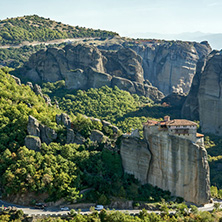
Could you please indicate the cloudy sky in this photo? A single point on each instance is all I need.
(127, 17)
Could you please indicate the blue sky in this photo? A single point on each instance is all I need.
(125, 16)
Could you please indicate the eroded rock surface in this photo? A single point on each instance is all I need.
(135, 157)
(210, 96)
(204, 101)
(170, 66)
(36, 129)
(84, 67)
(169, 162)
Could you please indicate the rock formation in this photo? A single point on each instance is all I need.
(210, 95)
(170, 66)
(84, 67)
(36, 129)
(33, 142)
(169, 162)
(204, 101)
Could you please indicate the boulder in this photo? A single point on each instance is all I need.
(33, 142)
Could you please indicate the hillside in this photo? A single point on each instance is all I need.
(60, 170)
(31, 28)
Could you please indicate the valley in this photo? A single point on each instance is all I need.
(85, 117)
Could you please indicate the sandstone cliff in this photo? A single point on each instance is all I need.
(170, 66)
(210, 96)
(168, 162)
(204, 102)
(85, 66)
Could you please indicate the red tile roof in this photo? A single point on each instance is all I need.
(199, 135)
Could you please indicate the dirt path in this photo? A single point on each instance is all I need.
(56, 41)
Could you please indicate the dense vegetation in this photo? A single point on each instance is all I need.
(117, 106)
(213, 145)
(16, 57)
(60, 170)
(34, 28)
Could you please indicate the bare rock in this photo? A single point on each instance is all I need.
(30, 85)
(153, 93)
(70, 136)
(135, 157)
(170, 66)
(210, 96)
(17, 80)
(123, 84)
(33, 126)
(63, 119)
(97, 79)
(33, 142)
(47, 134)
(169, 162)
(97, 135)
(37, 89)
(75, 79)
(79, 139)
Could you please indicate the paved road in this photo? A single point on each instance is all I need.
(57, 211)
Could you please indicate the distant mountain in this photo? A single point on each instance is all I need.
(34, 28)
(214, 39)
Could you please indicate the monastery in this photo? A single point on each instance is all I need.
(178, 127)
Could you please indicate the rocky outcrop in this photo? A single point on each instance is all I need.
(210, 95)
(36, 129)
(135, 157)
(33, 142)
(169, 162)
(97, 135)
(17, 80)
(170, 66)
(74, 137)
(84, 67)
(204, 101)
(190, 109)
(63, 119)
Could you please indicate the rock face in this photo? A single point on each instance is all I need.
(168, 162)
(33, 142)
(135, 157)
(204, 101)
(170, 66)
(97, 135)
(36, 129)
(210, 96)
(190, 109)
(84, 67)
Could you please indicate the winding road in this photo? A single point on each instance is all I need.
(56, 41)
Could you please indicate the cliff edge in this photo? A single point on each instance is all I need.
(169, 161)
